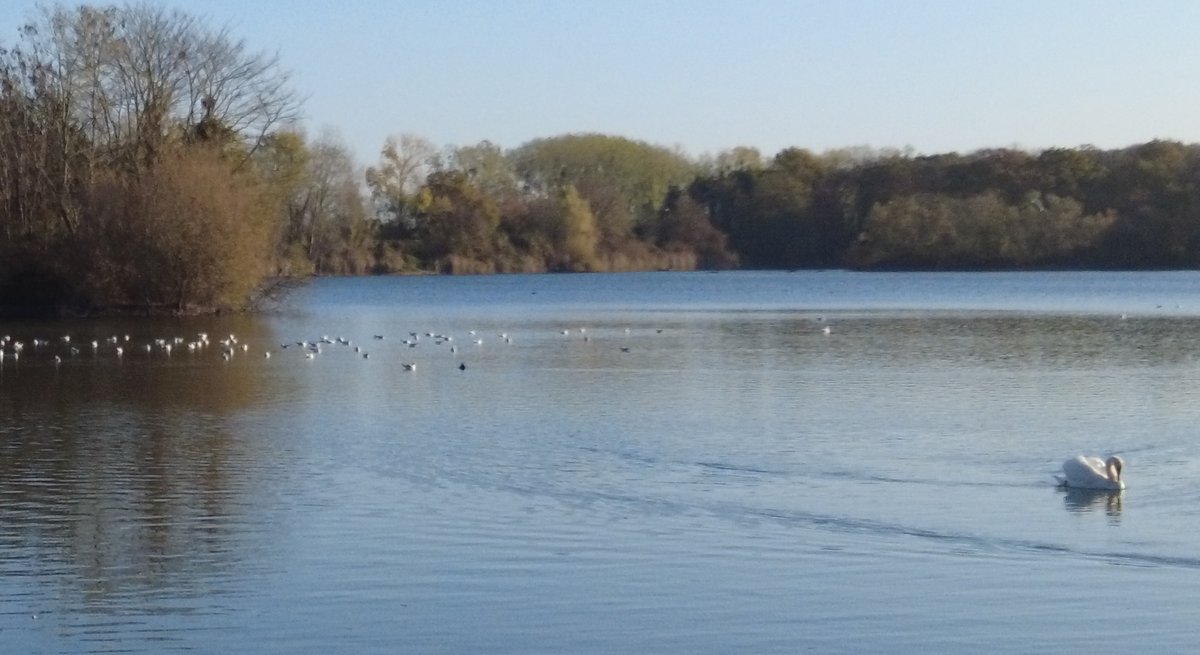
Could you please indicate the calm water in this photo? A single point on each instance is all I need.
(694, 467)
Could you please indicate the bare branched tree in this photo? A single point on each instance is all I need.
(135, 77)
(404, 162)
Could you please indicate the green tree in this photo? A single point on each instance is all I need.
(785, 215)
(740, 158)
(487, 167)
(1073, 173)
(1154, 188)
(456, 223)
(328, 228)
(683, 226)
(624, 181)
(579, 234)
(283, 162)
(983, 231)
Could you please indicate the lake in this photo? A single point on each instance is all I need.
(743, 462)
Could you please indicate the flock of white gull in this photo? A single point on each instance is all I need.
(229, 347)
(64, 348)
(120, 346)
(1079, 472)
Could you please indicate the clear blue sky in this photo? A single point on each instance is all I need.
(708, 75)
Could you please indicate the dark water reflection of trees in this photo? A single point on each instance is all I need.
(130, 472)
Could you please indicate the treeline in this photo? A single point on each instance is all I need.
(590, 202)
(148, 160)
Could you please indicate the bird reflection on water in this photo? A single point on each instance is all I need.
(1081, 501)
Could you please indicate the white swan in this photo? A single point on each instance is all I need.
(1082, 472)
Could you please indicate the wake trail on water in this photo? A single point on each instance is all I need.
(975, 544)
(624, 506)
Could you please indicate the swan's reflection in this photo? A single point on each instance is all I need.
(1088, 500)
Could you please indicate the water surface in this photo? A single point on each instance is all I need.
(623, 463)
